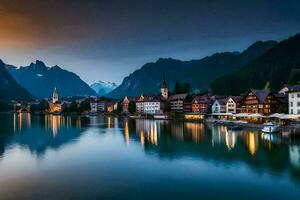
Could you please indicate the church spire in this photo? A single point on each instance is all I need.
(55, 96)
(164, 88)
(164, 82)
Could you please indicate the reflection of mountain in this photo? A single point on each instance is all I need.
(38, 133)
(217, 143)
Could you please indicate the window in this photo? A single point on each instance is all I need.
(292, 111)
(291, 104)
(298, 95)
(298, 103)
(298, 111)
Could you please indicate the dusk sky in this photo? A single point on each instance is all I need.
(107, 40)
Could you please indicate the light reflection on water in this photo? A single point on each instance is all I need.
(113, 157)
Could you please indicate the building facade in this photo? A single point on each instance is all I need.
(201, 104)
(219, 106)
(294, 100)
(140, 105)
(233, 104)
(259, 101)
(177, 102)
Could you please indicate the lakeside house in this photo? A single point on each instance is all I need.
(140, 105)
(259, 101)
(294, 99)
(201, 103)
(233, 104)
(219, 106)
(177, 102)
(154, 104)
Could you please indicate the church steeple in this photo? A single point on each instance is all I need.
(55, 96)
(164, 88)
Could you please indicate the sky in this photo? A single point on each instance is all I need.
(109, 39)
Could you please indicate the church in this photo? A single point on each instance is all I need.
(55, 105)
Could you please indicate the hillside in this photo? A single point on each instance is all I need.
(279, 65)
(40, 80)
(198, 73)
(9, 88)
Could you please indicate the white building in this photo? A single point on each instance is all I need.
(97, 106)
(153, 105)
(219, 106)
(232, 104)
(294, 99)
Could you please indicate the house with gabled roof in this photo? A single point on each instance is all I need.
(177, 102)
(259, 101)
(201, 103)
(219, 106)
(233, 104)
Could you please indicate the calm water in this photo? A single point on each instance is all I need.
(57, 157)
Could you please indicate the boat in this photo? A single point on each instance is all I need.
(270, 128)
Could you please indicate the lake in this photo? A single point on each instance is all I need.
(64, 157)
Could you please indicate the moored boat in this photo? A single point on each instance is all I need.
(270, 128)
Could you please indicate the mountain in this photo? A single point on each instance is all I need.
(9, 88)
(40, 80)
(198, 73)
(103, 88)
(277, 66)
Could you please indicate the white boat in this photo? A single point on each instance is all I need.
(270, 128)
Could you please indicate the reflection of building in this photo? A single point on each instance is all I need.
(21, 120)
(230, 139)
(55, 105)
(294, 152)
(252, 142)
(148, 130)
(197, 131)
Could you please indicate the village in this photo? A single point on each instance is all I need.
(255, 106)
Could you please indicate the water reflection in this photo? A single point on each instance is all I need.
(37, 133)
(77, 152)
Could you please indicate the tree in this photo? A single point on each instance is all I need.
(186, 87)
(132, 107)
(73, 107)
(177, 88)
(119, 108)
(43, 105)
(84, 106)
(182, 87)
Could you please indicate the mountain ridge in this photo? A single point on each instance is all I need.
(9, 88)
(278, 66)
(195, 72)
(40, 80)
